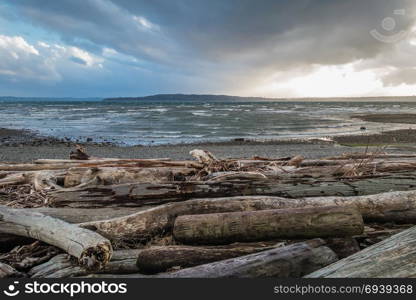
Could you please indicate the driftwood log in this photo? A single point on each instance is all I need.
(92, 250)
(160, 259)
(7, 271)
(147, 193)
(295, 260)
(224, 228)
(116, 175)
(394, 257)
(386, 207)
(62, 266)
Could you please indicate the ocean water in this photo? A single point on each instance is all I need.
(145, 122)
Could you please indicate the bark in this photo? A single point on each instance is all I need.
(148, 193)
(160, 259)
(91, 249)
(295, 260)
(265, 225)
(392, 258)
(397, 207)
(62, 266)
(7, 271)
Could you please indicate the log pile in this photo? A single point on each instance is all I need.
(208, 217)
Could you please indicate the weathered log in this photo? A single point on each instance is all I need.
(387, 207)
(264, 225)
(392, 258)
(295, 260)
(147, 193)
(142, 163)
(160, 259)
(370, 155)
(98, 160)
(70, 215)
(160, 219)
(115, 175)
(7, 271)
(91, 249)
(62, 266)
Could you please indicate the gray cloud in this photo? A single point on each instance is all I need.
(228, 43)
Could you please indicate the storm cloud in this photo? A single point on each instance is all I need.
(239, 47)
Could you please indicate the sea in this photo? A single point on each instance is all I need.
(174, 122)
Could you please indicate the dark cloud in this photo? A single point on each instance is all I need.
(227, 42)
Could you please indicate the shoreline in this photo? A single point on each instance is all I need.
(26, 146)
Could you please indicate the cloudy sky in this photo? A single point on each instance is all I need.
(275, 48)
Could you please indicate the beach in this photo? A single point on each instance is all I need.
(24, 146)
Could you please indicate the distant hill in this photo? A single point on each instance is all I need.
(212, 98)
(189, 97)
(19, 99)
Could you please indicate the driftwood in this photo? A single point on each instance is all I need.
(136, 163)
(160, 259)
(392, 258)
(265, 225)
(295, 260)
(147, 193)
(79, 153)
(203, 156)
(70, 215)
(115, 175)
(386, 207)
(343, 247)
(91, 249)
(62, 266)
(7, 271)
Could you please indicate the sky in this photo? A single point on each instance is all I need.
(268, 48)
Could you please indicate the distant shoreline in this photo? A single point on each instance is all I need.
(215, 97)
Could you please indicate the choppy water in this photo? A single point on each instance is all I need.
(147, 122)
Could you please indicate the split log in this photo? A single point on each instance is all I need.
(392, 258)
(114, 175)
(7, 271)
(160, 259)
(397, 207)
(92, 250)
(147, 193)
(265, 225)
(63, 266)
(295, 260)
